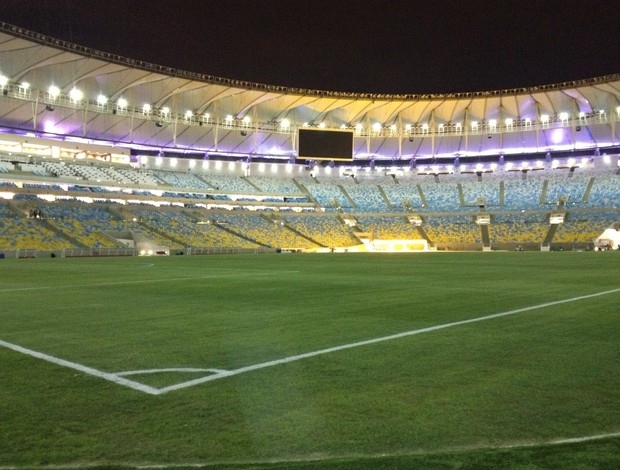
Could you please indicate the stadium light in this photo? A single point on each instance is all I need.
(544, 118)
(146, 108)
(285, 124)
(121, 103)
(54, 91)
(76, 95)
(322, 125)
(102, 100)
(4, 81)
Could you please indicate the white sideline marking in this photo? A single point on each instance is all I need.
(307, 355)
(138, 281)
(219, 373)
(314, 460)
(81, 368)
(576, 440)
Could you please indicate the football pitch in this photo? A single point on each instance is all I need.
(430, 360)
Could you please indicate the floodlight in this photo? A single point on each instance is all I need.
(376, 127)
(24, 85)
(189, 114)
(146, 108)
(121, 103)
(4, 81)
(102, 100)
(165, 110)
(246, 120)
(285, 124)
(54, 91)
(544, 118)
(322, 125)
(75, 94)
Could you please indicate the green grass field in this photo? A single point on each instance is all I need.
(298, 361)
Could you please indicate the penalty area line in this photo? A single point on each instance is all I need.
(298, 357)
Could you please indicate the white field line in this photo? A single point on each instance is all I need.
(169, 369)
(118, 379)
(314, 460)
(81, 368)
(139, 281)
(263, 365)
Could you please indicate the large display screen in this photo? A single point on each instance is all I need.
(321, 144)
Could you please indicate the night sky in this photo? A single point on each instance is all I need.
(375, 46)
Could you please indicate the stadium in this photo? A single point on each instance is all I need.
(386, 299)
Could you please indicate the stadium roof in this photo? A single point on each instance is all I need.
(54, 87)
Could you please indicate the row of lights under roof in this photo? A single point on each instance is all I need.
(474, 125)
(76, 95)
(428, 169)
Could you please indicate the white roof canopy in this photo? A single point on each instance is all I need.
(104, 97)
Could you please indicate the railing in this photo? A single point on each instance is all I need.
(428, 129)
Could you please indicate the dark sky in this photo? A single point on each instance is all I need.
(429, 46)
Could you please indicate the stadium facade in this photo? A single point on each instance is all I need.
(82, 120)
